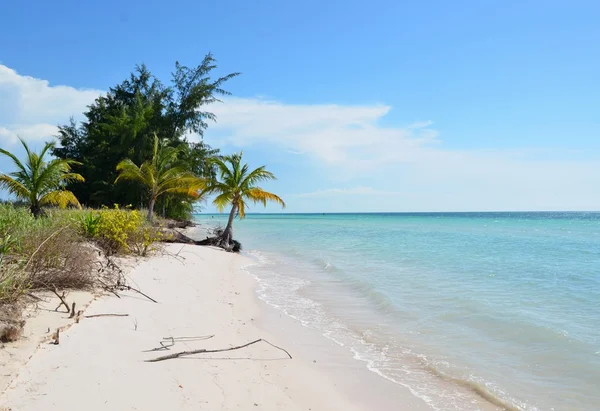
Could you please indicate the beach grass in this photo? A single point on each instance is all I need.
(60, 251)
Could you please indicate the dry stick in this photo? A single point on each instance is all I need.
(106, 315)
(109, 288)
(127, 287)
(163, 346)
(172, 340)
(35, 297)
(72, 310)
(62, 300)
(183, 353)
(202, 337)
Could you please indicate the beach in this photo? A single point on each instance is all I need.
(205, 300)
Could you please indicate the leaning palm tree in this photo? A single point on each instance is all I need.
(234, 186)
(161, 175)
(40, 182)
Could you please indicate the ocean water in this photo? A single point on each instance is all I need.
(502, 306)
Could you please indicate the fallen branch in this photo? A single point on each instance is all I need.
(172, 340)
(62, 300)
(109, 288)
(184, 353)
(106, 315)
(129, 288)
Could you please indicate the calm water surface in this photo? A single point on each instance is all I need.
(505, 304)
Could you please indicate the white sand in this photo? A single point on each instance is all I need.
(99, 364)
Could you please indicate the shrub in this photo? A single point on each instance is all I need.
(13, 283)
(124, 231)
(57, 258)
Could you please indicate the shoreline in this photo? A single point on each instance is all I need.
(99, 363)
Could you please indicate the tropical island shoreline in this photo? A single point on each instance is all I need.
(205, 300)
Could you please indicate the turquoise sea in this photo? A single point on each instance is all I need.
(505, 304)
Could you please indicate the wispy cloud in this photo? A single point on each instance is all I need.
(352, 191)
(350, 144)
(420, 124)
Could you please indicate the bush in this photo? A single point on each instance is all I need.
(123, 231)
(54, 257)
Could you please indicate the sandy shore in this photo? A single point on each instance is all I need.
(99, 364)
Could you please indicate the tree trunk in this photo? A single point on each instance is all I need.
(151, 208)
(35, 209)
(228, 232)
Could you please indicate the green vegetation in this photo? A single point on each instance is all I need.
(123, 124)
(235, 186)
(40, 182)
(131, 153)
(162, 174)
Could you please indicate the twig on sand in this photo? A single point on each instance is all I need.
(184, 353)
(62, 300)
(163, 345)
(129, 288)
(106, 315)
(172, 340)
(109, 288)
(35, 297)
(72, 310)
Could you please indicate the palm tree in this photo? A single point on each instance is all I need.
(40, 182)
(234, 186)
(161, 175)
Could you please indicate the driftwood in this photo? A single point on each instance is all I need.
(62, 300)
(173, 340)
(106, 315)
(121, 281)
(201, 351)
(180, 224)
(174, 236)
(129, 288)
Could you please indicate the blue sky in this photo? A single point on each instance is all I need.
(356, 106)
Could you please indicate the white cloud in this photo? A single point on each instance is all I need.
(351, 145)
(349, 154)
(32, 107)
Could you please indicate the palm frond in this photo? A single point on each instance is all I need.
(61, 198)
(14, 187)
(258, 195)
(222, 201)
(128, 170)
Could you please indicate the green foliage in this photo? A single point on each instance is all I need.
(89, 223)
(162, 174)
(236, 184)
(122, 124)
(40, 182)
(15, 220)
